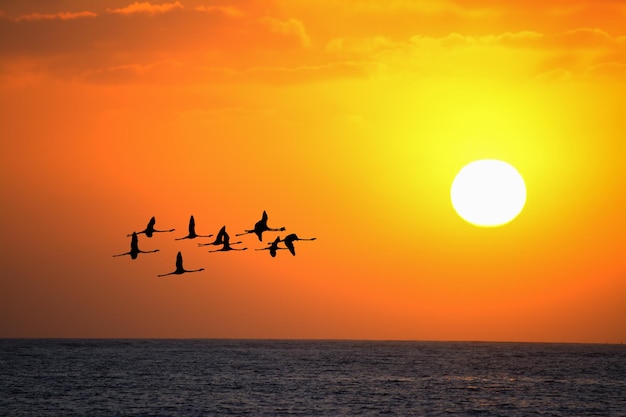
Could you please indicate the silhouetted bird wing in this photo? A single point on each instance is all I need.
(290, 237)
(179, 261)
(192, 225)
(134, 243)
(220, 235)
(152, 222)
(290, 246)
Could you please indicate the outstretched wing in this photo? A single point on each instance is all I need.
(179, 261)
(220, 235)
(150, 228)
(134, 243)
(192, 225)
(290, 246)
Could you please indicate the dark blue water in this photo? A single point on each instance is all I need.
(309, 378)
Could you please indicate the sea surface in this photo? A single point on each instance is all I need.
(136, 377)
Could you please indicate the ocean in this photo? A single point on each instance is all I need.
(153, 377)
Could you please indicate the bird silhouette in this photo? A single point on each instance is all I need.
(219, 239)
(289, 239)
(134, 248)
(260, 227)
(226, 244)
(149, 230)
(192, 231)
(273, 247)
(179, 267)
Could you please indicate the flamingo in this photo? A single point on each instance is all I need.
(218, 240)
(260, 227)
(134, 248)
(273, 247)
(226, 244)
(289, 239)
(179, 267)
(149, 230)
(192, 231)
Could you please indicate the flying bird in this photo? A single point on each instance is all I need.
(273, 247)
(192, 231)
(149, 230)
(226, 244)
(289, 239)
(179, 267)
(134, 248)
(260, 227)
(218, 240)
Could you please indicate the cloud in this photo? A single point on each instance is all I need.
(367, 45)
(583, 38)
(55, 16)
(135, 73)
(200, 41)
(290, 27)
(453, 40)
(523, 55)
(147, 8)
(607, 71)
(226, 10)
(577, 39)
(393, 7)
(305, 73)
(553, 76)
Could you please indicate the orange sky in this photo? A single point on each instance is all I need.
(346, 121)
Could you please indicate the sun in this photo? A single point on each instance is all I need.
(488, 193)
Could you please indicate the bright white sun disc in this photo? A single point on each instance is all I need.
(488, 193)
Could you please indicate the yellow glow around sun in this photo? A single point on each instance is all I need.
(488, 193)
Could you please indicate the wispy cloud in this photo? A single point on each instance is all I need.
(608, 71)
(577, 39)
(226, 10)
(148, 8)
(377, 7)
(290, 27)
(55, 16)
(565, 56)
(304, 73)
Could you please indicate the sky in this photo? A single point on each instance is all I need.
(344, 120)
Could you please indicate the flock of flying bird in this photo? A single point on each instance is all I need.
(222, 238)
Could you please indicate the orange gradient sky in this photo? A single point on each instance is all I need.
(346, 121)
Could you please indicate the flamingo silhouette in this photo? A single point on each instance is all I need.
(273, 247)
(192, 231)
(260, 227)
(134, 248)
(218, 240)
(289, 239)
(179, 267)
(226, 244)
(149, 230)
